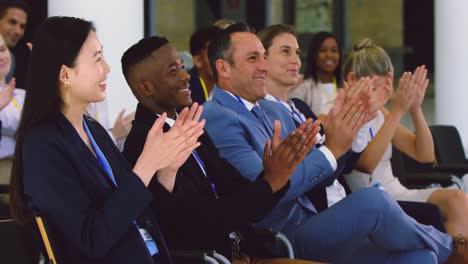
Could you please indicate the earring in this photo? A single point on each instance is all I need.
(67, 93)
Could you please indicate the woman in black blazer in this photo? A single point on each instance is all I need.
(66, 167)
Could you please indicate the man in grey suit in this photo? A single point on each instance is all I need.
(368, 224)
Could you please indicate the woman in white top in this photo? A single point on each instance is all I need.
(12, 102)
(323, 73)
(385, 131)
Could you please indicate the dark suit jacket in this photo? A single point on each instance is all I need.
(191, 217)
(347, 162)
(22, 54)
(93, 219)
(195, 87)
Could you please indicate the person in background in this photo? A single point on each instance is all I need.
(13, 19)
(384, 132)
(66, 167)
(322, 75)
(282, 55)
(201, 77)
(12, 99)
(122, 124)
(223, 23)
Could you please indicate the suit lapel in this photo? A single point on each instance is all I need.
(226, 100)
(83, 148)
(191, 165)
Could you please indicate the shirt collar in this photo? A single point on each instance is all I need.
(272, 98)
(247, 104)
(169, 120)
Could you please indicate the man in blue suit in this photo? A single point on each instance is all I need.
(368, 225)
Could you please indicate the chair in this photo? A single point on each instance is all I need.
(48, 242)
(198, 256)
(262, 242)
(449, 150)
(417, 175)
(4, 208)
(17, 243)
(54, 256)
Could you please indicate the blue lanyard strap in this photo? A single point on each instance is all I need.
(371, 133)
(203, 167)
(293, 112)
(149, 241)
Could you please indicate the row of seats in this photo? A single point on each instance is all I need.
(23, 244)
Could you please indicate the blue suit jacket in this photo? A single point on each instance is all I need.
(92, 219)
(240, 138)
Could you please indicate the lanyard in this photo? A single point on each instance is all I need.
(202, 166)
(205, 90)
(325, 93)
(293, 112)
(15, 104)
(149, 241)
(371, 133)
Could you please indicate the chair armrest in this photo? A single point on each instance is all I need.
(433, 177)
(458, 169)
(194, 256)
(260, 242)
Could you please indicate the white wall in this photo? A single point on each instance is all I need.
(119, 25)
(451, 65)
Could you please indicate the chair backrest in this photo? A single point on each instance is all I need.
(448, 145)
(49, 241)
(46, 240)
(398, 166)
(403, 165)
(17, 243)
(4, 208)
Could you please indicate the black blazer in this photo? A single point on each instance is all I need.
(93, 220)
(191, 217)
(22, 54)
(318, 194)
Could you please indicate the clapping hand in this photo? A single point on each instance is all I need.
(420, 83)
(162, 150)
(282, 156)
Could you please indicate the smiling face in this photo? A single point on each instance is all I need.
(283, 59)
(12, 25)
(328, 56)
(87, 78)
(249, 70)
(5, 59)
(166, 81)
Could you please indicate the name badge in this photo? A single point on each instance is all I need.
(145, 235)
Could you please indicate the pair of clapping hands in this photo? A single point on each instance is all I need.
(164, 153)
(354, 106)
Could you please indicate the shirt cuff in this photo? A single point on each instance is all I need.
(329, 155)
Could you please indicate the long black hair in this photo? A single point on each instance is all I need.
(57, 42)
(312, 54)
